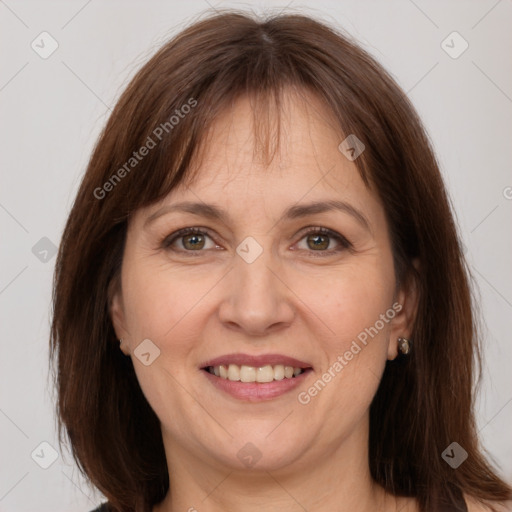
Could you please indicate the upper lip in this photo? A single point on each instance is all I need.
(256, 361)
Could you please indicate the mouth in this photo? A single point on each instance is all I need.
(255, 378)
(262, 369)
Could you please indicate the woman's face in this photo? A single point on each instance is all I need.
(256, 290)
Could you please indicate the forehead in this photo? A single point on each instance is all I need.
(257, 161)
(288, 149)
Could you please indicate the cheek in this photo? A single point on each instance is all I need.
(166, 307)
(360, 315)
(357, 306)
(158, 300)
(351, 300)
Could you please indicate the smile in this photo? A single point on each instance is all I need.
(255, 378)
(243, 373)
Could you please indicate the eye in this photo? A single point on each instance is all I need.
(320, 240)
(189, 240)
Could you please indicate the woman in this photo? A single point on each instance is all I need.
(260, 297)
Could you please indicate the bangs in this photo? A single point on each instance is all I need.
(156, 111)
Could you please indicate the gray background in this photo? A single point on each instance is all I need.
(53, 109)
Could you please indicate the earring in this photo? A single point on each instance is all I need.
(404, 346)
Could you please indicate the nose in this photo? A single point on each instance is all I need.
(257, 298)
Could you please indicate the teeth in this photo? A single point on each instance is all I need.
(247, 373)
(262, 374)
(265, 374)
(233, 372)
(278, 372)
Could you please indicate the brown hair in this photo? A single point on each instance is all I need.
(424, 402)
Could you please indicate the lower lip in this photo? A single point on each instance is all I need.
(256, 391)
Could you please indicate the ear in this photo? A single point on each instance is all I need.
(406, 306)
(117, 314)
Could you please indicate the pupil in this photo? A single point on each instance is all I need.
(194, 241)
(319, 241)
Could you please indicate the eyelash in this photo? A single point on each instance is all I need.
(170, 239)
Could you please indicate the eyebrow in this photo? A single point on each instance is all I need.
(212, 211)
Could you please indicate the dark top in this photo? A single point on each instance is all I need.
(102, 508)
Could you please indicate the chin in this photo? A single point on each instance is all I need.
(256, 450)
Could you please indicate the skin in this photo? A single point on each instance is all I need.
(200, 306)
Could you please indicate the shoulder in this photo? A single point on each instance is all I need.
(478, 506)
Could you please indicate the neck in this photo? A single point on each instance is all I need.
(332, 478)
